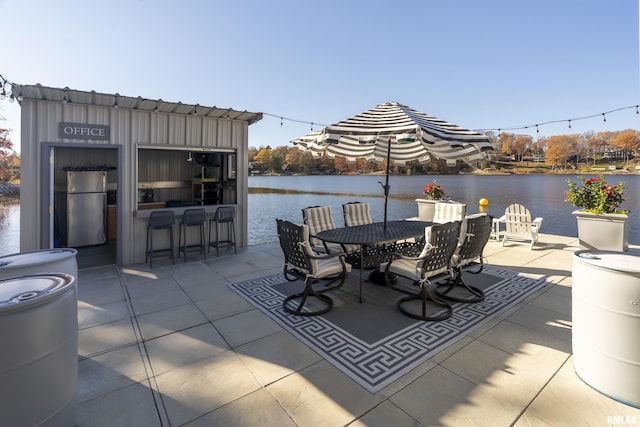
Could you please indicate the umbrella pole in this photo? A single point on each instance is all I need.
(386, 184)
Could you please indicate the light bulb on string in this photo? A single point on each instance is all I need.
(280, 121)
(604, 118)
(569, 124)
(637, 112)
(311, 126)
(537, 130)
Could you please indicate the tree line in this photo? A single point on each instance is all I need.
(557, 151)
(9, 159)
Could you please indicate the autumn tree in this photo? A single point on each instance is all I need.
(627, 141)
(9, 159)
(263, 157)
(293, 157)
(341, 165)
(505, 141)
(559, 148)
(521, 144)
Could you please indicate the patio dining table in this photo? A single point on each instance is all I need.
(374, 234)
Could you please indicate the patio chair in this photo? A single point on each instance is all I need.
(447, 211)
(519, 228)
(433, 263)
(301, 263)
(356, 213)
(474, 235)
(320, 218)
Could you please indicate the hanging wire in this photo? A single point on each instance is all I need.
(6, 85)
(564, 120)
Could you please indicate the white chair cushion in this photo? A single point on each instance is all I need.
(329, 267)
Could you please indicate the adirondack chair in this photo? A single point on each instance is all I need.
(519, 228)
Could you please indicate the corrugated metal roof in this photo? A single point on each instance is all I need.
(74, 96)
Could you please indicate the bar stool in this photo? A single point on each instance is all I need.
(224, 216)
(192, 218)
(159, 220)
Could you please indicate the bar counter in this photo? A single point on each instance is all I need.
(144, 209)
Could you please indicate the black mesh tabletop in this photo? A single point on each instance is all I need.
(372, 234)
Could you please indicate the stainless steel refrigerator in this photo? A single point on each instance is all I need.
(86, 208)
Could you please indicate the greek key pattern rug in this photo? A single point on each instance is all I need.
(372, 342)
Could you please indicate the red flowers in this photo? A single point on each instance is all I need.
(596, 196)
(433, 191)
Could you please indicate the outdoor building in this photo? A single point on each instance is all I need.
(151, 154)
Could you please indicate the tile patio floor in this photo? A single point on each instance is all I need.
(173, 346)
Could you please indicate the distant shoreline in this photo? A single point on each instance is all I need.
(9, 193)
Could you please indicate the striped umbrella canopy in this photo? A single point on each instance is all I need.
(395, 133)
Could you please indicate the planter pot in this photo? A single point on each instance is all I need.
(607, 232)
(605, 298)
(426, 209)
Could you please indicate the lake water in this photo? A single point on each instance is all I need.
(284, 197)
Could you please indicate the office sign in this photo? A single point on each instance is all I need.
(83, 131)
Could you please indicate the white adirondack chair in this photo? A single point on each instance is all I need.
(520, 228)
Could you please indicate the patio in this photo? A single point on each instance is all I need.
(174, 345)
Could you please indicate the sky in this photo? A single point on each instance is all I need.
(490, 64)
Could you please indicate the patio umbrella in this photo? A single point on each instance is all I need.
(395, 132)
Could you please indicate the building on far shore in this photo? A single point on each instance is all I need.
(154, 154)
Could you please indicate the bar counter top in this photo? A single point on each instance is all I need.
(144, 209)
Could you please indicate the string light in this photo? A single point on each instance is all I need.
(7, 87)
(637, 108)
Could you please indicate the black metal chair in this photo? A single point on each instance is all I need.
(301, 263)
(432, 263)
(320, 218)
(224, 216)
(159, 220)
(192, 217)
(474, 235)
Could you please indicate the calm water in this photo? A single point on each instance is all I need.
(9, 229)
(542, 194)
(272, 197)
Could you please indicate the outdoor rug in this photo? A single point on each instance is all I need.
(373, 342)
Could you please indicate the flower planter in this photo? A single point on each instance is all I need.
(607, 232)
(605, 301)
(426, 209)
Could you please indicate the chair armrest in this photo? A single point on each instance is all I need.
(398, 255)
(537, 222)
(329, 256)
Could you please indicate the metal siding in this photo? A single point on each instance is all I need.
(176, 128)
(158, 129)
(194, 135)
(210, 133)
(30, 178)
(129, 128)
